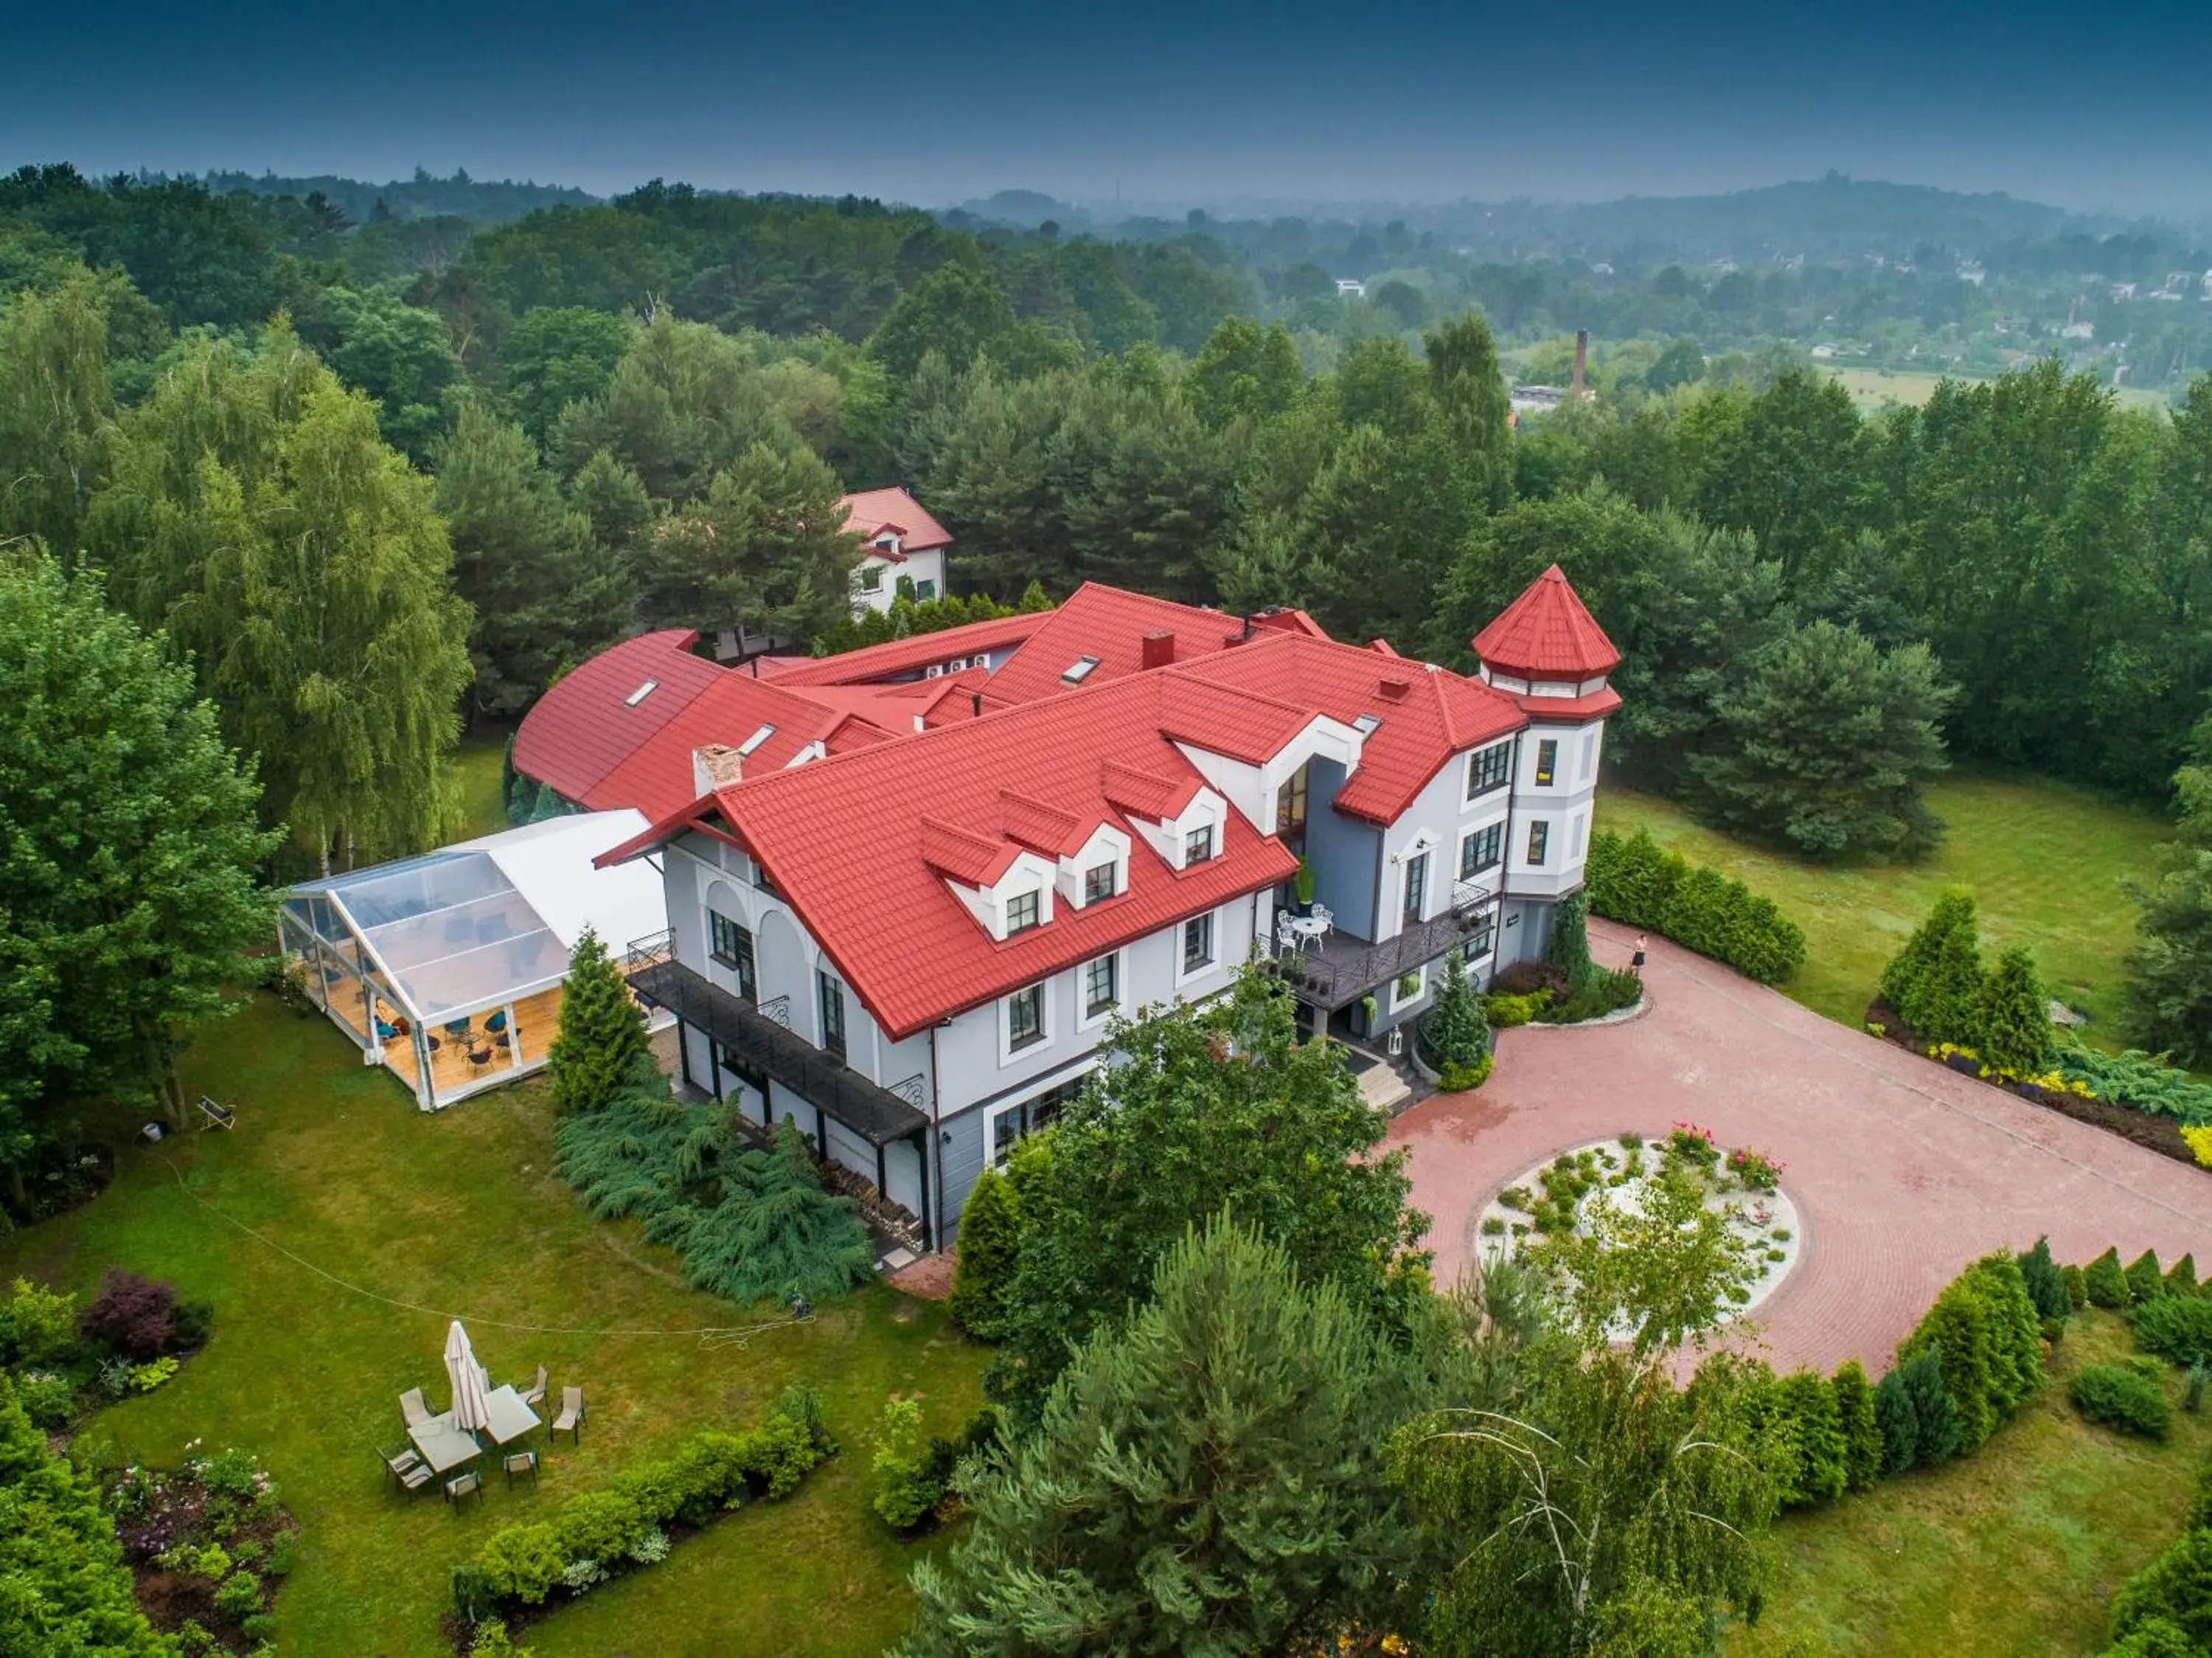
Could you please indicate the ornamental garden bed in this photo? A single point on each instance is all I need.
(1740, 1183)
(207, 1544)
(2158, 1134)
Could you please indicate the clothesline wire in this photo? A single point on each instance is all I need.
(707, 1336)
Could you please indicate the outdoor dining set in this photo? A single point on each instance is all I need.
(444, 1449)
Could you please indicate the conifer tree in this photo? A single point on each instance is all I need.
(989, 1249)
(2012, 1023)
(1454, 1032)
(1897, 1418)
(602, 1030)
(2181, 1276)
(1808, 1405)
(1208, 1478)
(1569, 950)
(2145, 1281)
(1901, 979)
(2077, 1285)
(2045, 1287)
(1945, 999)
(1855, 1414)
(2105, 1281)
(1938, 1436)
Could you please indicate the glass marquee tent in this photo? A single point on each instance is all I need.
(447, 968)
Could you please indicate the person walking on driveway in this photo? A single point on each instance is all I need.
(1636, 962)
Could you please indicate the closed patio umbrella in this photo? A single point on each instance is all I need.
(470, 1409)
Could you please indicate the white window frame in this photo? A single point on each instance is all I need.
(1420, 976)
(1529, 847)
(1085, 1019)
(1036, 903)
(870, 576)
(1184, 974)
(992, 1159)
(1008, 1053)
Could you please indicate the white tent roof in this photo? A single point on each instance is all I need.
(494, 919)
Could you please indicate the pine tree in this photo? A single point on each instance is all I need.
(1864, 1450)
(1455, 1031)
(1900, 979)
(602, 1030)
(1569, 950)
(990, 1250)
(2105, 1281)
(2077, 1285)
(1210, 1477)
(2181, 1276)
(2012, 1020)
(1808, 1403)
(2045, 1288)
(1938, 1435)
(1897, 1419)
(2145, 1281)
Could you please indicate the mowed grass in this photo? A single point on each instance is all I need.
(414, 1218)
(1874, 389)
(2046, 865)
(480, 759)
(2014, 1551)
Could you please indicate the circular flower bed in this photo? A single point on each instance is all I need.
(1741, 1183)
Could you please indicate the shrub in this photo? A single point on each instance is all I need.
(2103, 1281)
(906, 1495)
(989, 1249)
(2192, 1388)
(1861, 1431)
(1947, 999)
(37, 1326)
(2145, 1281)
(133, 1315)
(2077, 1286)
(1806, 1406)
(2181, 1276)
(1531, 979)
(1454, 1034)
(1463, 1079)
(1990, 1339)
(2012, 1021)
(1504, 1012)
(491, 1641)
(521, 1562)
(240, 1596)
(2176, 1327)
(602, 1032)
(2170, 1598)
(190, 1325)
(1568, 948)
(1630, 879)
(2045, 1288)
(2144, 1081)
(1900, 979)
(1937, 1435)
(780, 1454)
(1601, 992)
(775, 1231)
(48, 1400)
(2123, 1397)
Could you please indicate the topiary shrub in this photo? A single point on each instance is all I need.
(1454, 1034)
(2045, 1288)
(1568, 947)
(1989, 1337)
(988, 1251)
(1856, 1415)
(1901, 979)
(2105, 1282)
(2077, 1286)
(2176, 1327)
(2012, 1020)
(2123, 1396)
(1937, 1435)
(2181, 1276)
(520, 1563)
(2145, 1281)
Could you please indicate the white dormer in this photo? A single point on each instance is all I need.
(1255, 789)
(1019, 900)
(1194, 835)
(1098, 869)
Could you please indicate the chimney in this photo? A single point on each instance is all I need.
(1395, 691)
(716, 765)
(975, 704)
(1582, 359)
(1158, 649)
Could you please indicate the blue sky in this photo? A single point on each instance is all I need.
(2089, 106)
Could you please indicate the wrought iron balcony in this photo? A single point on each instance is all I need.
(1344, 969)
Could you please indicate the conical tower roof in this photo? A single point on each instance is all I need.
(1547, 633)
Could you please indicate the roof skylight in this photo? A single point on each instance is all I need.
(1079, 670)
(754, 742)
(1366, 723)
(640, 693)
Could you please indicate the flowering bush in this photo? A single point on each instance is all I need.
(208, 1542)
(2199, 1141)
(1755, 1169)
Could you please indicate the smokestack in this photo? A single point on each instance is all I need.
(716, 765)
(1158, 649)
(1582, 359)
(975, 704)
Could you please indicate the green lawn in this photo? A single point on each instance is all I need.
(2014, 1552)
(480, 761)
(2046, 863)
(458, 1213)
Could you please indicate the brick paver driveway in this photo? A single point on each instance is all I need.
(1902, 1171)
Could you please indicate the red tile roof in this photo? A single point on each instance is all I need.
(1109, 624)
(1547, 633)
(908, 656)
(585, 726)
(870, 513)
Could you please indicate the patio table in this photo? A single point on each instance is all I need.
(1310, 929)
(508, 1418)
(444, 1446)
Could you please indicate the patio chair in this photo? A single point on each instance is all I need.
(400, 1460)
(536, 1391)
(417, 1477)
(522, 1462)
(218, 1116)
(480, 1057)
(1286, 937)
(497, 1022)
(571, 1417)
(415, 1408)
(468, 1485)
(1327, 917)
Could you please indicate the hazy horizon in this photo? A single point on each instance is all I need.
(1197, 106)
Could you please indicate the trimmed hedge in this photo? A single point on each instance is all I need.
(600, 1532)
(1988, 1338)
(1631, 881)
(2127, 1396)
(2176, 1327)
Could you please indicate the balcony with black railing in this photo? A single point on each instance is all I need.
(1343, 969)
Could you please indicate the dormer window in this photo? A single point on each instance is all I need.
(1079, 670)
(1021, 912)
(1198, 845)
(640, 693)
(1098, 882)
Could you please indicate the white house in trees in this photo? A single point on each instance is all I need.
(902, 906)
(902, 540)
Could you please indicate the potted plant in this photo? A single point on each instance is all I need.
(1302, 885)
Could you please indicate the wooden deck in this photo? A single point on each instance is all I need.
(536, 1021)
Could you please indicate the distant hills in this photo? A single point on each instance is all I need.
(422, 197)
